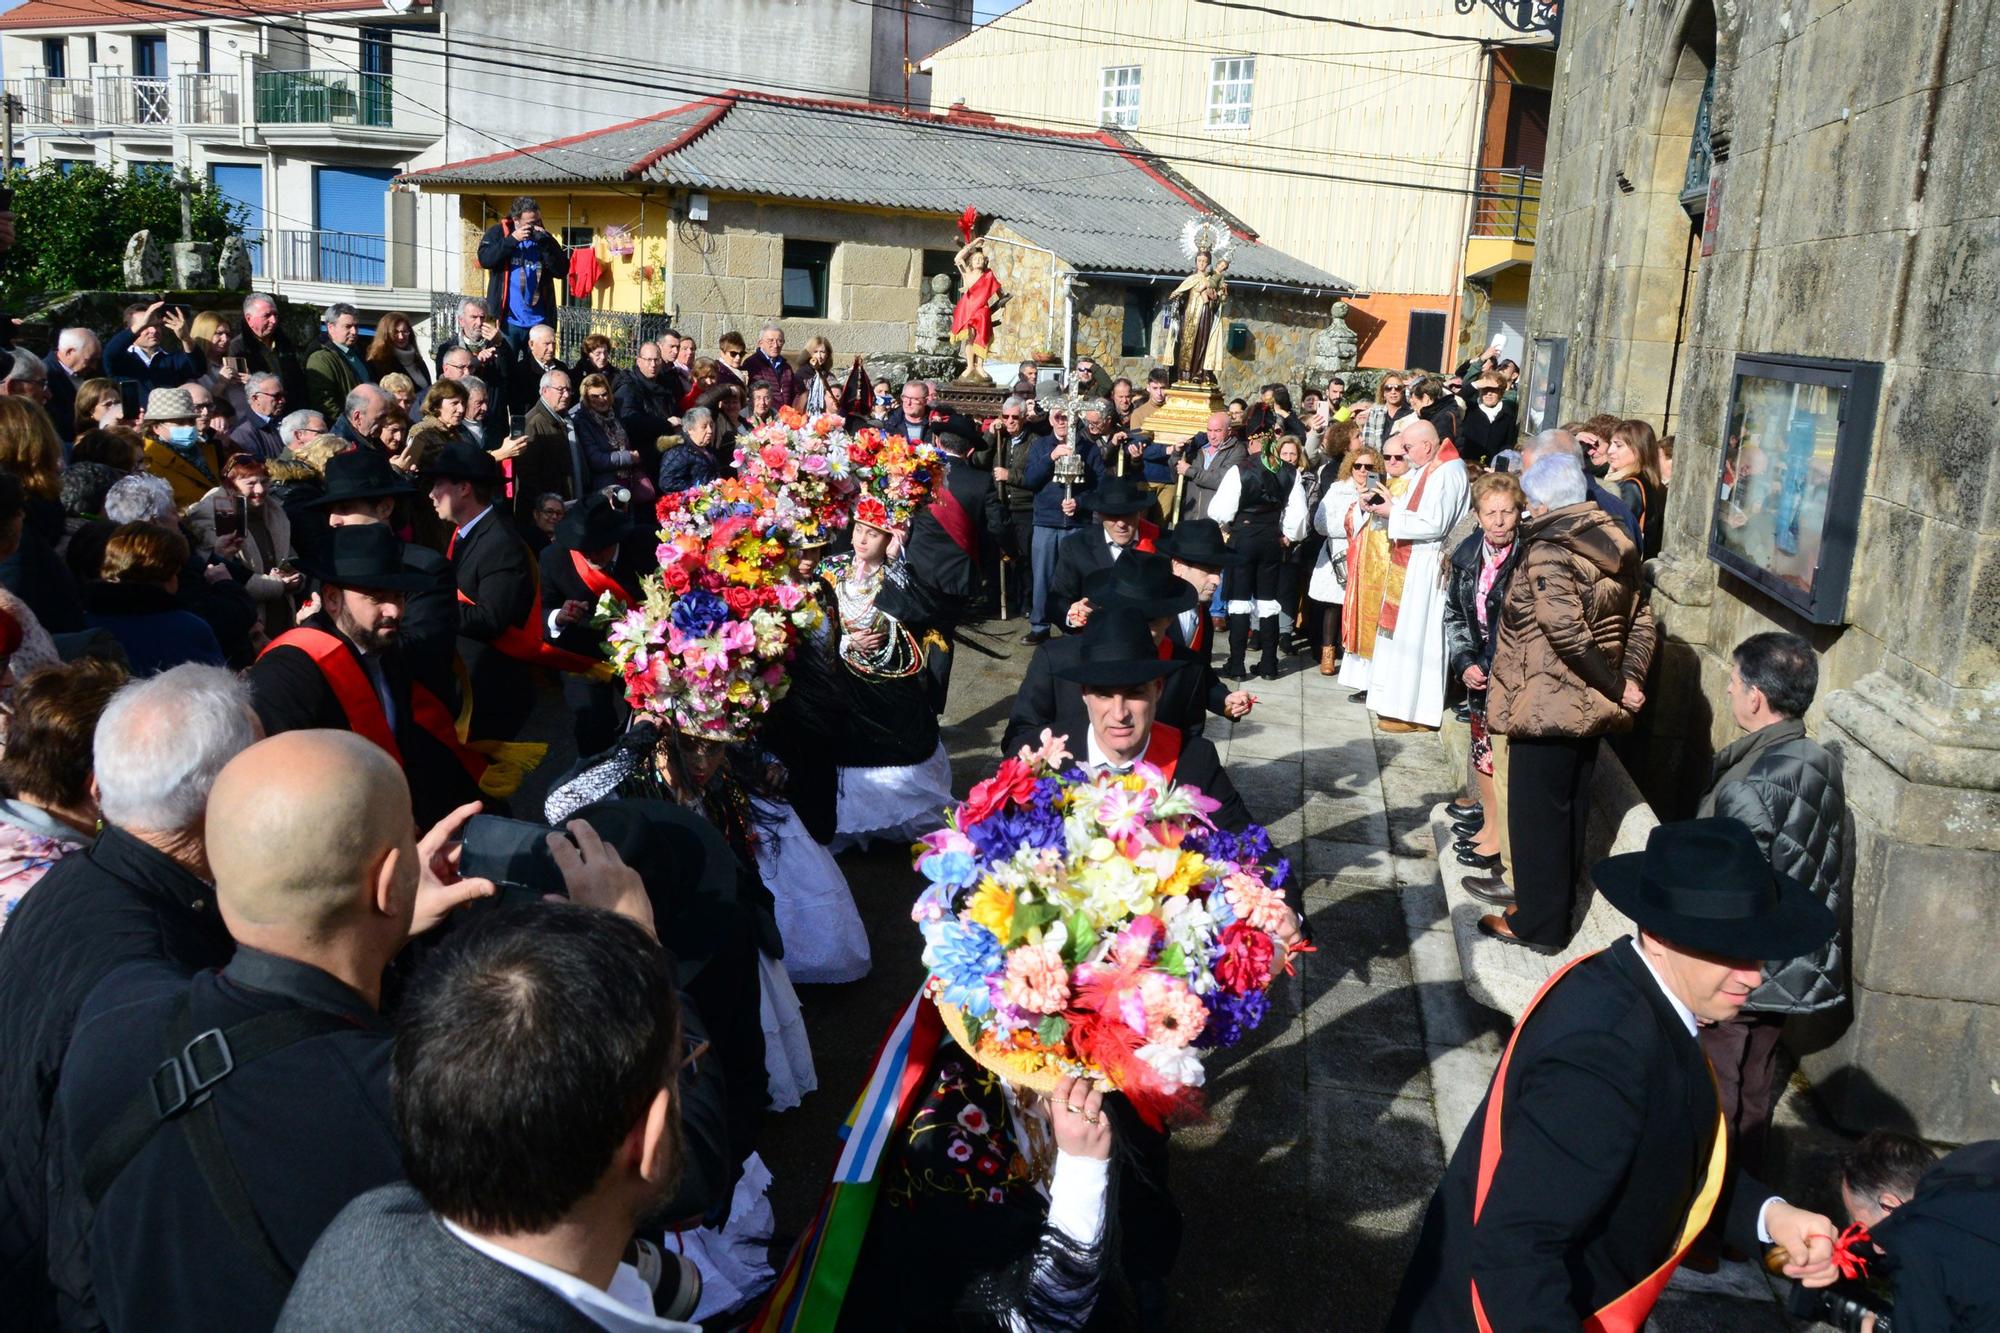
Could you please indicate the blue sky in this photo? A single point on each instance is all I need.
(985, 11)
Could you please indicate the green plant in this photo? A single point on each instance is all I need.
(71, 229)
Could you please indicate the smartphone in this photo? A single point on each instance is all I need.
(129, 403)
(228, 522)
(513, 854)
(235, 365)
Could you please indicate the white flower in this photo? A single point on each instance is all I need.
(1177, 1066)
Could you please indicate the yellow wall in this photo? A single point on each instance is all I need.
(629, 289)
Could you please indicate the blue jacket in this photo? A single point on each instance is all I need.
(1048, 497)
(155, 633)
(169, 370)
(686, 466)
(1159, 463)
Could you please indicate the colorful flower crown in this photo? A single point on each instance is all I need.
(705, 648)
(1098, 926)
(896, 478)
(805, 463)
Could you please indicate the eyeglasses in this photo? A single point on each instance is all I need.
(1493, 389)
(1393, 457)
(1010, 416)
(1392, 388)
(1361, 467)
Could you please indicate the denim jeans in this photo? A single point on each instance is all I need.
(1045, 564)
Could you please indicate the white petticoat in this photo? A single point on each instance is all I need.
(824, 938)
(899, 804)
(735, 1261)
(788, 1057)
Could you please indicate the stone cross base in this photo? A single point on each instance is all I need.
(194, 265)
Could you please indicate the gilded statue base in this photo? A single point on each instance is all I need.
(1185, 412)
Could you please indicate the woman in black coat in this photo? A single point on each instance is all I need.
(1474, 591)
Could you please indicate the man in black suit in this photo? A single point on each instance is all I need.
(947, 537)
(551, 463)
(266, 347)
(1117, 503)
(342, 668)
(1607, 1153)
(76, 357)
(498, 595)
(579, 567)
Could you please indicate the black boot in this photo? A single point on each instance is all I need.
(1239, 646)
(1267, 643)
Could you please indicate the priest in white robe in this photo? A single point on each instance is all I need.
(1406, 676)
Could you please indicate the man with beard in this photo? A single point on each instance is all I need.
(343, 668)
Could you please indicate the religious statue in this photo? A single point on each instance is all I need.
(933, 328)
(1195, 307)
(979, 296)
(144, 270)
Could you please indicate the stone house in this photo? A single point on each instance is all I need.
(831, 218)
(1815, 184)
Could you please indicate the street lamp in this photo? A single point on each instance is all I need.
(1523, 15)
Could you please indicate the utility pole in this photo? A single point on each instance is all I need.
(8, 104)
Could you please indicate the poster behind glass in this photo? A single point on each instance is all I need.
(1789, 493)
(1541, 405)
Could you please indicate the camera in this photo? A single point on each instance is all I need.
(513, 854)
(1843, 1306)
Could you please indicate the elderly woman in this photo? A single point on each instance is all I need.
(298, 475)
(394, 352)
(238, 522)
(1575, 639)
(689, 458)
(1476, 586)
(595, 359)
(762, 411)
(818, 392)
(134, 601)
(47, 807)
(608, 456)
(392, 432)
(443, 422)
(402, 391)
(100, 404)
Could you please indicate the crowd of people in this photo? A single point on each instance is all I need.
(316, 1020)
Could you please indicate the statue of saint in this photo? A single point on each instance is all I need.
(1197, 305)
(979, 296)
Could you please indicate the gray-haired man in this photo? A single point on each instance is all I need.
(264, 345)
(335, 366)
(258, 433)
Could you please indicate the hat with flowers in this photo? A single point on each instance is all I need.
(1098, 925)
(804, 462)
(705, 648)
(896, 478)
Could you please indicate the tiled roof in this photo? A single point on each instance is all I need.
(97, 13)
(1098, 201)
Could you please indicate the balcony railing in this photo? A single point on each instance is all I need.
(323, 97)
(55, 101)
(1508, 204)
(208, 99)
(344, 258)
(131, 101)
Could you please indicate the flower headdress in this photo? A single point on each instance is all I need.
(804, 462)
(705, 649)
(1098, 926)
(896, 477)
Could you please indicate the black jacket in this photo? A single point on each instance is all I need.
(552, 463)
(561, 583)
(62, 398)
(306, 1128)
(497, 254)
(1609, 1119)
(494, 569)
(948, 421)
(1788, 790)
(282, 358)
(1046, 700)
(647, 408)
(1078, 555)
(945, 573)
(1465, 644)
(290, 693)
(1480, 439)
(1943, 1246)
(120, 901)
(496, 372)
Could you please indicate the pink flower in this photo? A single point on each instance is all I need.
(1174, 1015)
(1245, 964)
(1260, 906)
(1036, 980)
(790, 595)
(958, 1150)
(973, 1119)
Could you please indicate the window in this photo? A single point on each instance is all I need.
(55, 57)
(90, 49)
(150, 170)
(1136, 339)
(348, 245)
(242, 184)
(805, 270)
(1118, 98)
(1229, 82)
(149, 56)
(203, 51)
(1426, 345)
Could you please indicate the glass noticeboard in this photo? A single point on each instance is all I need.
(1541, 399)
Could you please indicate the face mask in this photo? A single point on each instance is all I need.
(183, 435)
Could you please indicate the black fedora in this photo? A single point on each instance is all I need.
(595, 523)
(1198, 541)
(360, 474)
(463, 461)
(1146, 583)
(1117, 648)
(1705, 884)
(362, 555)
(1116, 495)
(688, 870)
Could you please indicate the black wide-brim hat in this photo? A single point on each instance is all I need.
(1198, 541)
(595, 523)
(1705, 885)
(1117, 648)
(1116, 495)
(1145, 582)
(360, 474)
(464, 461)
(687, 867)
(362, 555)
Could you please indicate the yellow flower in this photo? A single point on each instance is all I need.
(993, 908)
(1187, 873)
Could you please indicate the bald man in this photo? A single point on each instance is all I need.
(321, 880)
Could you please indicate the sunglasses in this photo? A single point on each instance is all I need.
(1361, 467)
(1393, 457)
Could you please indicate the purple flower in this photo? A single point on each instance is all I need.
(1000, 834)
(1231, 1017)
(697, 613)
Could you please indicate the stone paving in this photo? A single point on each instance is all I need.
(1329, 1128)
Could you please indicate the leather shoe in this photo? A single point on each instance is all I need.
(1467, 857)
(1491, 889)
(1456, 811)
(1035, 636)
(1495, 927)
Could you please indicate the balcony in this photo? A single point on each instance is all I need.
(55, 102)
(208, 99)
(324, 97)
(1505, 211)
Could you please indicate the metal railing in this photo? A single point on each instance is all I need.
(626, 329)
(208, 99)
(45, 101)
(324, 97)
(124, 100)
(347, 258)
(1508, 204)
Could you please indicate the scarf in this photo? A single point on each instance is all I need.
(1399, 551)
(1491, 558)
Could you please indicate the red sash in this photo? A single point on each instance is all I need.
(957, 524)
(1195, 645)
(1399, 551)
(596, 579)
(1163, 748)
(1149, 537)
(524, 643)
(1626, 1313)
(355, 694)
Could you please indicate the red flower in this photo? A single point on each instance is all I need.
(1245, 965)
(675, 576)
(1014, 781)
(741, 601)
(989, 1166)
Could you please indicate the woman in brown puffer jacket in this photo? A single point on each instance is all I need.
(1575, 639)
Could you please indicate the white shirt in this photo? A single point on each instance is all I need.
(1116, 549)
(1228, 493)
(1096, 761)
(1190, 622)
(626, 1308)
